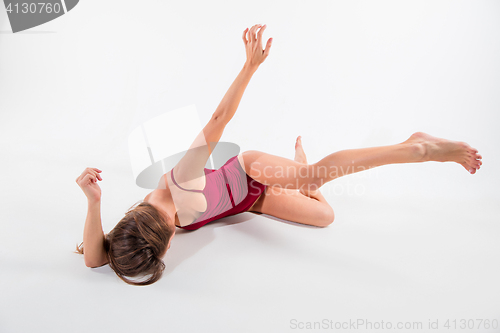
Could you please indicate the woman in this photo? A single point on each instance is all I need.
(189, 196)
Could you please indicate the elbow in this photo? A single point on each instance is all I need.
(90, 264)
(94, 263)
(219, 116)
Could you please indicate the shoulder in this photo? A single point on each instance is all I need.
(164, 182)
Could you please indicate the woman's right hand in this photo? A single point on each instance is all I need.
(88, 183)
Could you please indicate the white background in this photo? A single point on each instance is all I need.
(414, 242)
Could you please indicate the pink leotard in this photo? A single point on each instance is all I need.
(228, 191)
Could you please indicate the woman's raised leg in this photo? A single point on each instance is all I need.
(303, 206)
(420, 147)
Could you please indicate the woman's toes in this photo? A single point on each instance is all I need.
(472, 169)
(474, 166)
(469, 167)
(473, 163)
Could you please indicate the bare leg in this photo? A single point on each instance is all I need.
(420, 147)
(303, 206)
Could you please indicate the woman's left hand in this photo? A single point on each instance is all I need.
(253, 45)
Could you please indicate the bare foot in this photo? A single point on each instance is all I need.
(442, 150)
(300, 156)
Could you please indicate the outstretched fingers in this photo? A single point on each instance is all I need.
(259, 34)
(252, 36)
(245, 40)
(253, 44)
(268, 47)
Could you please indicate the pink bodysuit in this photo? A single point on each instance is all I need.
(228, 191)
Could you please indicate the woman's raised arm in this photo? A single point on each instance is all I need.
(255, 56)
(192, 164)
(93, 236)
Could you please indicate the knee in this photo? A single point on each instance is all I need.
(326, 217)
(309, 177)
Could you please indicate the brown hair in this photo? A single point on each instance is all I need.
(135, 245)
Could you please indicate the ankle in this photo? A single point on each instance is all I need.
(419, 151)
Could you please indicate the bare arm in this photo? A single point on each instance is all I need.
(93, 236)
(229, 103)
(192, 164)
(255, 56)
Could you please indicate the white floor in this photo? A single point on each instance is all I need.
(413, 244)
(391, 259)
